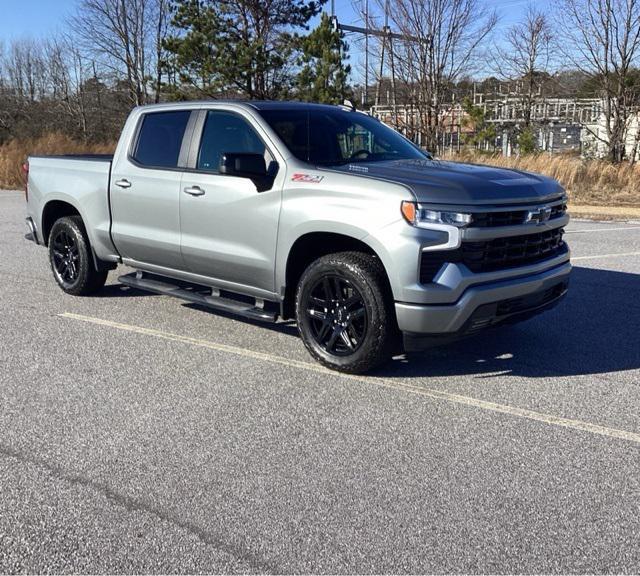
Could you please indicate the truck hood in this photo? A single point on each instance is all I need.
(440, 182)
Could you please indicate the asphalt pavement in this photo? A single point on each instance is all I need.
(142, 434)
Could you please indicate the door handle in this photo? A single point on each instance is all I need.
(194, 191)
(123, 183)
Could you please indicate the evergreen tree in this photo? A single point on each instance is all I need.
(481, 130)
(192, 57)
(238, 47)
(527, 143)
(323, 77)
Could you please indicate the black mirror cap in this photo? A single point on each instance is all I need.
(243, 164)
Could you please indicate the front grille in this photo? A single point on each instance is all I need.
(496, 254)
(511, 251)
(510, 217)
(495, 219)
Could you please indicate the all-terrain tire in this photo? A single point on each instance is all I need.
(373, 334)
(71, 258)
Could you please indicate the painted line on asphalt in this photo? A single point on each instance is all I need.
(399, 386)
(573, 258)
(602, 230)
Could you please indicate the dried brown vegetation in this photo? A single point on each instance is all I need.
(15, 152)
(591, 182)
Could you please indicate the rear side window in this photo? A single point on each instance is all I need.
(160, 138)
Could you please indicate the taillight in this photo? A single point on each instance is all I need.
(25, 173)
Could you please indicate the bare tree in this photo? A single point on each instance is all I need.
(604, 41)
(162, 25)
(26, 69)
(49, 87)
(125, 37)
(67, 69)
(526, 57)
(443, 41)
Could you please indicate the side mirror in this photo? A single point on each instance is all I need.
(243, 164)
(246, 165)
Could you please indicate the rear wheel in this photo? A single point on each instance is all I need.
(71, 258)
(345, 312)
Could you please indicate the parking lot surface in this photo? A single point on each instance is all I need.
(142, 434)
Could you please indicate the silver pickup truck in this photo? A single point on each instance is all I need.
(281, 210)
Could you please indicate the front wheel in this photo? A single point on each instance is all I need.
(71, 258)
(345, 312)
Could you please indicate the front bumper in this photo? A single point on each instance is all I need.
(481, 306)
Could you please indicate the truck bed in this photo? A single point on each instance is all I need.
(81, 180)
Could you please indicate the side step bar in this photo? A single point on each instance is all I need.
(197, 294)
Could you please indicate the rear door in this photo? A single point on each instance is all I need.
(229, 229)
(145, 189)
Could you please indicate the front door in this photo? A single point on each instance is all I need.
(229, 229)
(145, 191)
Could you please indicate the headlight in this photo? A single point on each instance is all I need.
(422, 217)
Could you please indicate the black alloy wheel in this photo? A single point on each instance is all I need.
(66, 259)
(338, 315)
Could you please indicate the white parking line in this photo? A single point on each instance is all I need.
(401, 386)
(573, 258)
(602, 230)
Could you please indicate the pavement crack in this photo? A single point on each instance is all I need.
(134, 505)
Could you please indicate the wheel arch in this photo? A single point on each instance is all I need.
(311, 246)
(54, 210)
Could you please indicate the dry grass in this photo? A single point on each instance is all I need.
(591, 182)
(15, 152)
(605, 212)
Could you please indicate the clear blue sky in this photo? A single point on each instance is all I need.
(40, 17)
(20, 18)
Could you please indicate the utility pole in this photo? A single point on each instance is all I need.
(453, 100)
(365, 94)
(394, 103)
(382, 47)
(386, 35)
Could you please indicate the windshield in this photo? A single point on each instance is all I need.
(331, 137)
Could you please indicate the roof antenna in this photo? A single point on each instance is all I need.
(347, 104)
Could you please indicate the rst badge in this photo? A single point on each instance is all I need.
(539, 215)
(309, 178)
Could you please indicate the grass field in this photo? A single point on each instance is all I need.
(588, 182)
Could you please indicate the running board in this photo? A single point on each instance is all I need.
(196, 294)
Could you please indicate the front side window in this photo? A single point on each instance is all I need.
(225, 132)
(160, 138)
(333, 137)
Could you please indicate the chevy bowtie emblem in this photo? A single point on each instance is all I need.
(539, 215)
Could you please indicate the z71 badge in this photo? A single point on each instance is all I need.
(310, 178)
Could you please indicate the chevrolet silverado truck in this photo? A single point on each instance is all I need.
(322, 214)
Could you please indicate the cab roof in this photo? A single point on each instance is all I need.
(255, 104)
